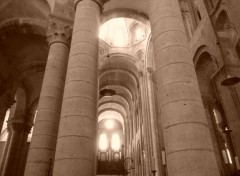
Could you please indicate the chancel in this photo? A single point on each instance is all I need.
(119, 88)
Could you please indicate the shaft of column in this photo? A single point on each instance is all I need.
(5, 151)
(154, 130)
(145, 113)
(20, 167)
(76, 144)
(5, 103)
(44, 138)
(189, 149)
(19, 135)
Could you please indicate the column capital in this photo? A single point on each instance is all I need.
(14, 125)
(99, 2)
(59, 31)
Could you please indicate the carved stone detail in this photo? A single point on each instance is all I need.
(19, 126)
(59, 32)
(22, 26)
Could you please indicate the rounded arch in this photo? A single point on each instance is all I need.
(23, 26)
(205, 68)
(112, 105)
(115, 99)
(203, 49)
(112, 114)
(117, 71)
(125, 13)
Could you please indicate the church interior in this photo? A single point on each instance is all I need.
(119, 87)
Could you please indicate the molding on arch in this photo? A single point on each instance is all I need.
(125, 13)
(124, 93)
(18, 75)
(22, 26)
(122, 120)
(114, 106)
(199, 51)
(122, 71)
(129, 57)
(118, 100)
(122, 57)
(204, 48)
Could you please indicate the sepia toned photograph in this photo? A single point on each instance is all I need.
(119, 88)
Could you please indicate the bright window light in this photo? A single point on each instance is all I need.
(109, 124)
(103, 143)
(215, 115)
(115, 32)
(229, 156)
(139, 34)
(115, 142)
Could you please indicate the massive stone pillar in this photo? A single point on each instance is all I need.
(43, 144)
(76, 144)
(17, 140)
(189, 149)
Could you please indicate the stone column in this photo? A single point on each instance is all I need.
(154, 129)
(44, 138)
(189, 149)
(76, 144)
(16, 142)
(6, 146)
(146, 126)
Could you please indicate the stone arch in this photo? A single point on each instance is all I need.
(116, 71)
(205, 65)
(19, 74)
(115, 99)
(119, 115)
(125, 13)
(205, 68)
(199, 51)
(23, 26)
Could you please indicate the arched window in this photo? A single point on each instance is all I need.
(115, 142)
(103, 142)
